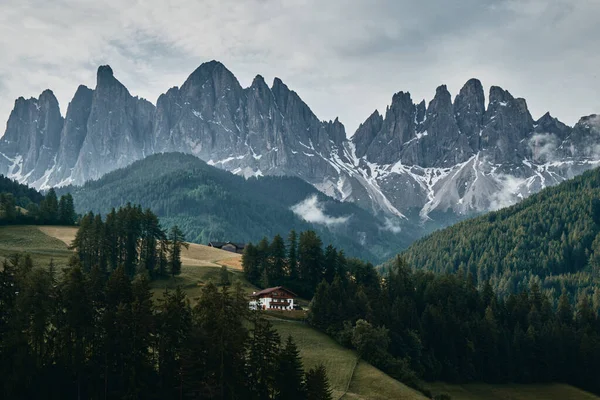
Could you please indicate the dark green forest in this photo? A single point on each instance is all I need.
(209, 204)
(551, 238)
(20, 204)
(130, 238)
(95, 335)
(419, 325)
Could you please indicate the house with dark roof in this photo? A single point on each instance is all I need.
(228, 246)
(275, 298)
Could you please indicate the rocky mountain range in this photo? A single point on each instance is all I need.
(416, 160)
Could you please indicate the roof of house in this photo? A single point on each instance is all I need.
(270, 290)
(221, 244)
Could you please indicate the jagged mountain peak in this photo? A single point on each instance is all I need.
(412, 159)
(258, 81)
(442, 101)
(211, 71)
(105, 75)
(499, 95)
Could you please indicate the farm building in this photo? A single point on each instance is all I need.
(228, 246)
(275, 298)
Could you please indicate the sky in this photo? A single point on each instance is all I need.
(345, 58)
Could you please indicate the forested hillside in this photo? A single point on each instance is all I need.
(551, 238)
(20, 204)
(439, 327)
(211, 204)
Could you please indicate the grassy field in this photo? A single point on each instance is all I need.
(201, 264)
(363, 381)
(480, 391)
(30, 239)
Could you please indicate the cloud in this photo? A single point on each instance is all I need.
(345, 58)
(509, 193)
(543, 147)
(311, 210)
(392, 225)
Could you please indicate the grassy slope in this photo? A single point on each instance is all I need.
(29, 239)
(366, 381)
(201, 264)
(477, 391)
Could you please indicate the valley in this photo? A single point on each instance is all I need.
(350, 378)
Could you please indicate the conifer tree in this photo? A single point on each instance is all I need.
(293, 255)
(176, 241)
(250, 260)
(66, 210)
(263, 356)
(277, 262)
(49, 208)
(317, 384)
(310, 259)
(290, 378)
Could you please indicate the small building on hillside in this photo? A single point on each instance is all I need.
(228, 246)
(275, 298)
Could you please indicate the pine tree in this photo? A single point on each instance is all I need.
(263, 357)
(263, 259)
(49, 208)
(293, 255)
(331, 261)
(174, 324)
(565, 312)
(290, 378)
(176, 240)
(310, 259)
(66, 210)
(277, 263)
(317, 384)
(250, 263)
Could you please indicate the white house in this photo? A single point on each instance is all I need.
(275, 298)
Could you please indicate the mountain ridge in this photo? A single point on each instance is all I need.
(426, 159)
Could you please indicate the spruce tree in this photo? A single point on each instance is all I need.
(263, 359)
(290, 378)
(250, 262)
(277, 263)
(66, 210)
(317, 384)
(293, 255)
(176, 241)
(49, 208)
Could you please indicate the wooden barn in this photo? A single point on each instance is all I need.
(229, 246)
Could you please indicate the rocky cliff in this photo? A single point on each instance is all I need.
(458, 156)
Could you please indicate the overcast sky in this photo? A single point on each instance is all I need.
(344, 57)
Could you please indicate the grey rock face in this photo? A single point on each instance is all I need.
(73, 134)
(418, 160)
(469, 108)
(32, 138)
(118, 129)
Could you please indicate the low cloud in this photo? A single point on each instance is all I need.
(312, 210)
(543, 146)
(511, 191)
(392, 225)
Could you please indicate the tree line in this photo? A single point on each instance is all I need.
(299, 264)
(130, 238)
(49, 211)
(80, 334)
(418, 325)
